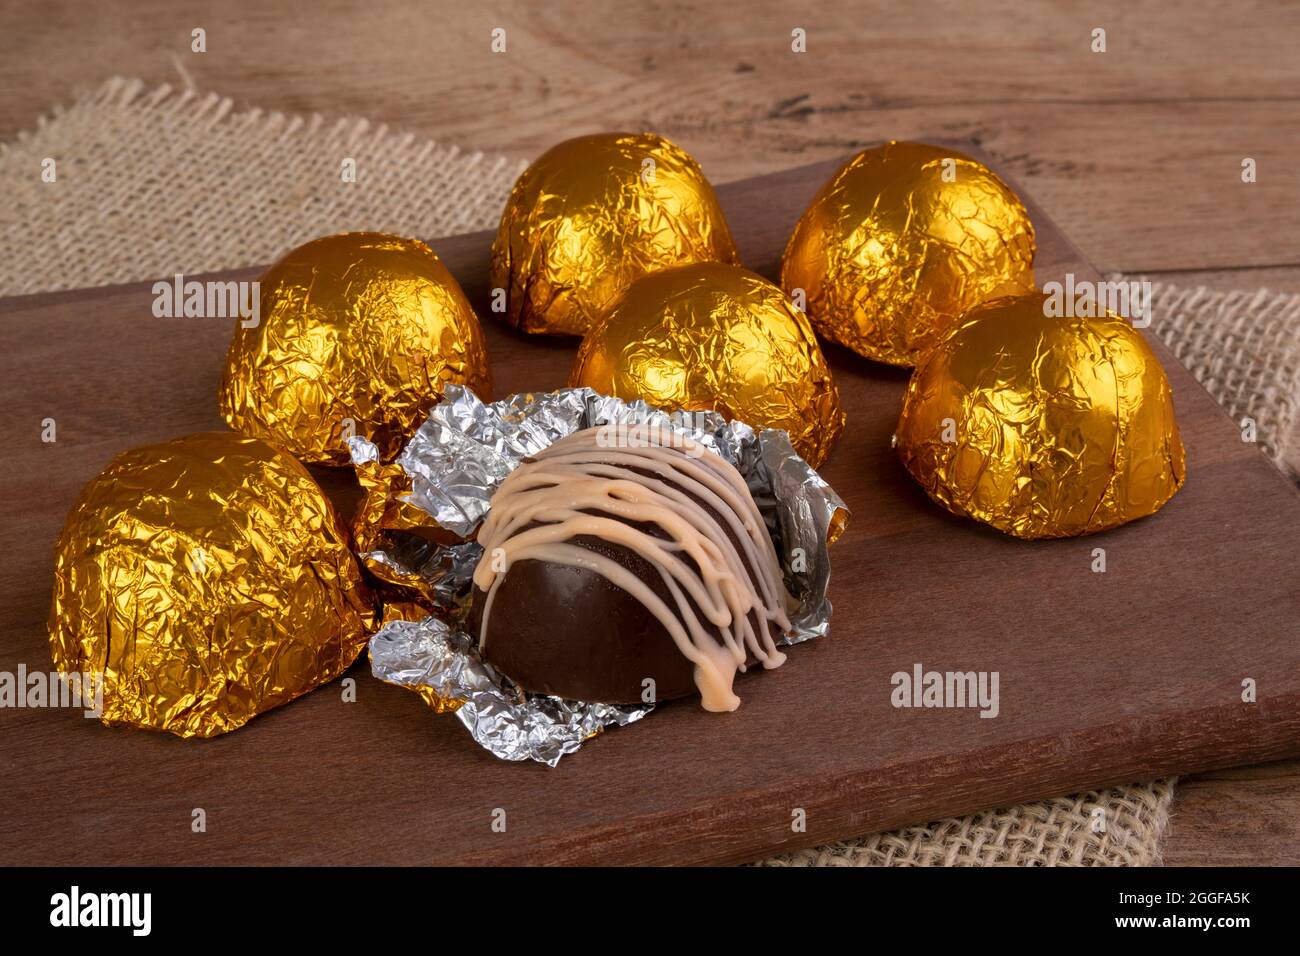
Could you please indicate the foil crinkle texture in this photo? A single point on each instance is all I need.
(1042, 426)
(441, 664)
(902, 241)
(358, 335)
(452, 467)
(208, 580)
(716, 336)
(591, 215)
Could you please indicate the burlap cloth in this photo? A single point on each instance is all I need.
(154, 182)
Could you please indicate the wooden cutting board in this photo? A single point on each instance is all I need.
(1104, 678)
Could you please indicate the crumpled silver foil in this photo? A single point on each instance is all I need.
(501, 717)
(456, 461)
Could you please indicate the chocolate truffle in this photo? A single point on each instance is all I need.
(716, 336)
(902, 241)
(593, 214)
(1041, 424)
(206, 580)
(626, 564)
(358, 334)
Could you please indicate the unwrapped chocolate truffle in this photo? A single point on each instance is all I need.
(900, 242)
(358, 334)
(714, 335)
(208, 580)
(1042, 426)
(591, 215)
(628, 564)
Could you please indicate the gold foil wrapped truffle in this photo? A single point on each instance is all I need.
(208, 580)
(900, 242)
(1043, 427)
(357, 335)
(716, 336)
(593, 214)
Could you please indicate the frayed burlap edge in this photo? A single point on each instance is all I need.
(149, 183)
(1122, 826)
(1244, 347)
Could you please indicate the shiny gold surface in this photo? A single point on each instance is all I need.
(358, 334)
(890, 253)
(716, 336)
(593, 214)
(209, 581)
(1042, 427)
(386, 523)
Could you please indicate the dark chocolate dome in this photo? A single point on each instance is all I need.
(622, 561)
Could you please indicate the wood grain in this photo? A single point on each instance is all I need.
(1244, 816)
(1106, 678)
(1135, 151)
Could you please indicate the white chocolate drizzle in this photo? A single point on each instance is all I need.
(603, 482)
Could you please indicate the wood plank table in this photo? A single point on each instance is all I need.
(1135, 152)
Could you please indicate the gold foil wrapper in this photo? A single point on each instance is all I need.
(1043, 427)
(716, 336)
(394, 537)
(593, 214)
(358, 334)
(902, 241)
(399, 604)
(208, 580)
